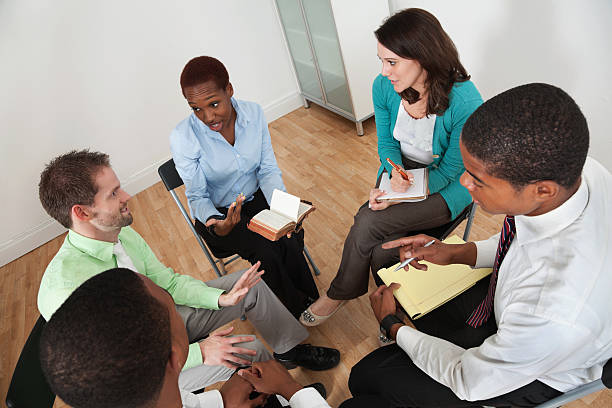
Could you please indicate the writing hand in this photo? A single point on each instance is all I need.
(219, 349)
(225, 226)
(414, 247)
(398, 183)
(271, 377)
(248, 279)
(235, 393)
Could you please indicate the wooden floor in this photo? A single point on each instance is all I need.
(322, 161)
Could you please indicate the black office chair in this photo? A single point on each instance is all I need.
(604, 382)
(29, 388)
(172, 180)
(443, 231)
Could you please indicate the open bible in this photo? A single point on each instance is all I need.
(423, 291)
(285, 213)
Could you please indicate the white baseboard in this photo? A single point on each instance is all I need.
(26, 241)
(282, 106)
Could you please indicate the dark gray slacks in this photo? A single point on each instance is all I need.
(362, 249)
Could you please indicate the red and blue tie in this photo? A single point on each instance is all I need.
(483, 311)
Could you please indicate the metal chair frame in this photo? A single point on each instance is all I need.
(602, 383)
(172, 181)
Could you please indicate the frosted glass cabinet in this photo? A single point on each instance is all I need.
(333, 50)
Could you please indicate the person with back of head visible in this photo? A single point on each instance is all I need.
(539, 325)
(121, 310)
(81, 191)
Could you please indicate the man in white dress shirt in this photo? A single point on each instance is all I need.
(540, 324)
(123, 310)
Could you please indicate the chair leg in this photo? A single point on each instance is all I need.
(470, 220)
(314, 266)
(221, 266)
(195, 233)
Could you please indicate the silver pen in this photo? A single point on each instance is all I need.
(407, 261)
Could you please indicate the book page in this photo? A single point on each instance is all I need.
(423, 291)
(417, 190)
(285, 204)
(304, 208)
(274, 221)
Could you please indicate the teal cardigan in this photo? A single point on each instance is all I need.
(446, 169)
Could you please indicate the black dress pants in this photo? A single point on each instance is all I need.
(387, 377)
(286, 270)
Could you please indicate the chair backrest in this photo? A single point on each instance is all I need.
(606, 375)
(29, 388)
(443, 231)
(169, 175)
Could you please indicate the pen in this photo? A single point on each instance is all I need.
(399, 170)
(407, 261)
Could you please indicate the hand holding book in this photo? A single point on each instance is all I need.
(284, 217)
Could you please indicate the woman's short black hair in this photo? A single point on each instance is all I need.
(203, 69)
(108, 344)
(529, 133)
(416, 34)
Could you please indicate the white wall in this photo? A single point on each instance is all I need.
(104, 74)
(567, 43)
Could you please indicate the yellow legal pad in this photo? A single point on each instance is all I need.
(423, 291)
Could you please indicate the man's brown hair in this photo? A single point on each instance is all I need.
(68, 180)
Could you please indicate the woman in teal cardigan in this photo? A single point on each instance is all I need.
(422, 98)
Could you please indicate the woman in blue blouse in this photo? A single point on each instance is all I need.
(223, 153)
(422, 98)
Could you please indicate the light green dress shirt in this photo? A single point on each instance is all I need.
(81, 258)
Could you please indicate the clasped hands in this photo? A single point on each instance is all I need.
(218, 348)
(265, 377)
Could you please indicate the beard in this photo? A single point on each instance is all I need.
(114, 222)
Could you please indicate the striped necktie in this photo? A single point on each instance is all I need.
(483, 311)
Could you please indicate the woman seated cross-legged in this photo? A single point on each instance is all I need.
(223, 153)
(422, 98)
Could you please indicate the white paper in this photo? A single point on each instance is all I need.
(285, 204)
(417, 189)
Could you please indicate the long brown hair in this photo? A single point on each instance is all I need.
(416, 34)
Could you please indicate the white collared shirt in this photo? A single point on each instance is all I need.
(552, 303)
(307, 397)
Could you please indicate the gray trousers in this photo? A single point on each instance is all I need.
(262, 308)
(362, 248)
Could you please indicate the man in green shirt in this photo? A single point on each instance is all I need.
(81, 191)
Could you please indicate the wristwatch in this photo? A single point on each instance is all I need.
(387, 322)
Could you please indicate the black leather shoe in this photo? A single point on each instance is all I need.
(311, 357)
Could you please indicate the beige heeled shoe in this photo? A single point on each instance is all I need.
(310, 319)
